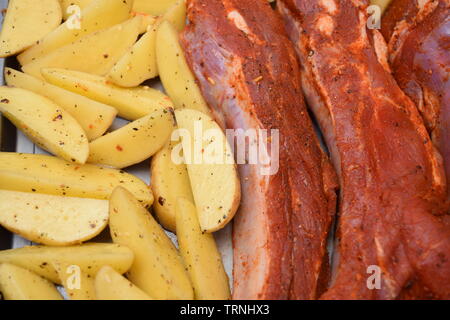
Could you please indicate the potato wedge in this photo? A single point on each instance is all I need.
(212, 171)
(94, 117)
(176, 15)
(98, 15)
(157, 268)
(147, 20)
(139, 63)
(65, 4)
(45, 123)
(174, 72)
(95, 53)
(110, 285)
(77, 284)
(89, 257)
(169, 182)
(17, 283)
(26, 22)
(135, 142)
(50, 175)
(52, 220)
(154, 7)
(132, 104)
(200, 255)
(152, 94)
(383, 4)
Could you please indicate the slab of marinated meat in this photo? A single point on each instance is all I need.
(418, 34)
(248, 73)
(392, 243)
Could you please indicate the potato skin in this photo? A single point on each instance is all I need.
(200, 255)
(157, 268)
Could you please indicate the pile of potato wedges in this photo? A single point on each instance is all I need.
(83, 65)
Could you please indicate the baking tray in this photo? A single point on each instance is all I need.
(12, 140)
